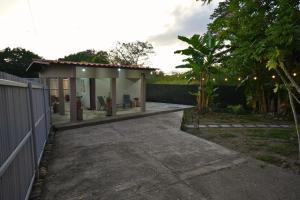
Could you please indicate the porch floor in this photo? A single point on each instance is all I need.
(88, 115)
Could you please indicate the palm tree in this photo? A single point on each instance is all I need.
(202, 61)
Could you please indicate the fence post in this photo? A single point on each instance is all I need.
(36, 164)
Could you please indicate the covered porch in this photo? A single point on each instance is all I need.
(85, 91)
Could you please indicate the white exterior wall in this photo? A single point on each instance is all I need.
(54, 87)
(56, 71)
(102, 88)
(83, 90)
(90, 72)
(129, 86)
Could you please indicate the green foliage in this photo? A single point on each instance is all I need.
(89, 55)
(201, 52)
(132, 53)
(15, 61)
(236, 109)
(175, 79)
(261, 36)
(202, 60)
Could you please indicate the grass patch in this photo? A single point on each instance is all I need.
(278, 146)
(283, 149)
(284, 134)
(268, 159)
(227, 135)
(191, 115)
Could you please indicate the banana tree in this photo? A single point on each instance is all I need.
(202, 61)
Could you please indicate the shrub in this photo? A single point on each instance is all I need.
(236, 109)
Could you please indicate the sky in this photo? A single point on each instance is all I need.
(55, 28)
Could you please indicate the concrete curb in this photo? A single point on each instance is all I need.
(67, 126)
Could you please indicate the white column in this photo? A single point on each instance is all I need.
(143, 93)
(73, 103)
(61, 97)
(113, 85)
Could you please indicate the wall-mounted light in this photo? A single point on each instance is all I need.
(273, 77)
(255, 78)
(119, 69)
(151, 73)
(294, 74)
(83, 69)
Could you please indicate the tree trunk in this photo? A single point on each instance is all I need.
(199, 94)
(292, 107)
(203, 91)
(278, 103)
(264, 101)
(295, 119)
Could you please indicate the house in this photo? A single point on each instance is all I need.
(70, 81)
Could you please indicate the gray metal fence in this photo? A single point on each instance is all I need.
(24, 128)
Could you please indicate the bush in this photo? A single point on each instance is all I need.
(236, 109)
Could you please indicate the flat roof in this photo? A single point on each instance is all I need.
(46, 63)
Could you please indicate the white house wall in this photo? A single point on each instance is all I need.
(129, 86)
(83, 90)
(102, 88)
(136, 73)
(54, 87)
(58, 71)
(90, 72)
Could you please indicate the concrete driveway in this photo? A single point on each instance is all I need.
(150, 158)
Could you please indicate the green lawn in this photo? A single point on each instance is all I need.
(277, 146)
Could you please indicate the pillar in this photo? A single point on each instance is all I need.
(113, 85)
(61, 96)
(73, 106)
(143, 93)
(92, 94)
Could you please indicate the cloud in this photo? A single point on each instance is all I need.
(187, 21)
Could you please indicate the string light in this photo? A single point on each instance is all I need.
(239, 79)
(214, 79)
(203, 79)
(273, 77)
(226, 79)
(294, 74)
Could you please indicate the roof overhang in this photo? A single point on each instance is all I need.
(37, 65)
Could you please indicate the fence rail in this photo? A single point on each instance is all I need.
(24, 128)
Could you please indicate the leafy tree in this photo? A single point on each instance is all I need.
(132, 53)
(15, 61)
(202, 61)
(89, 55)
(262, 36)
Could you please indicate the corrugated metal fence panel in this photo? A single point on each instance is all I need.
(17, 166)
(39, 118)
